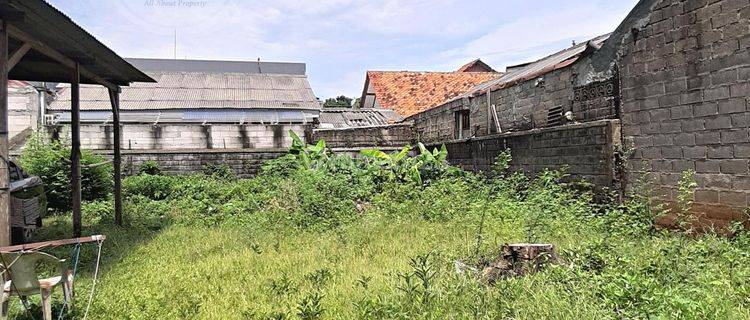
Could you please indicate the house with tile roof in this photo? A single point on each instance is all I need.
(411, 92)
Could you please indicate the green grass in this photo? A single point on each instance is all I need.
(219, 249)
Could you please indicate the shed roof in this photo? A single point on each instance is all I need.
(349, 118)
(39, 21)
(201, 90)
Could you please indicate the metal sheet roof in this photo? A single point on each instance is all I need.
(349, 118)
(200, 90)
(54, 30)
(535, 69)
(218, 66)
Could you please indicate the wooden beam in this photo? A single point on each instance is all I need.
(57, 56)
(75, 148)
(18, 55)
(8, 13)
(4, 172)
(52, 243)
(114, 98)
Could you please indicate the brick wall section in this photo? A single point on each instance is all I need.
(586, 150)
(186, 136)
(685, 94)
(397, 135)
(245, 163)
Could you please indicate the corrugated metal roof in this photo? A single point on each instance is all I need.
(52, 28)
(197, 90)
(349, 118)
(236, 116)
(217, 66)
(535, 69)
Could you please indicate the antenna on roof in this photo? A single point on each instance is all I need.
(175, 44)
(259, 70)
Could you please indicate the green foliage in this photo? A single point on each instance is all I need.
(219, 171)
(154, 187)
(149, 167)
(51, 162)
(685, 196)
(418, 170)
(282, 166)
(338, 102)
(353, 238)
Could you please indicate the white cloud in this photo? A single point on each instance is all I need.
(529, 37)
(341, 39)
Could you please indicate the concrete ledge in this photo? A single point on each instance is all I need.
(384, 126)
(591, 124)
(202, 151)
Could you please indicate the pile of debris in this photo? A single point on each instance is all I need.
(514, 260)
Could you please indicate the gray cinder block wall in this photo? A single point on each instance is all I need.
(23, 109)
(685, 90)
(170, 136)
(585, 150)
(389, 136)
(676, 72)
(187, 148)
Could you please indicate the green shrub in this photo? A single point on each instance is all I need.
(219, 171)
(51, 162)
(282, 166)
(154, 187)
(149, 167)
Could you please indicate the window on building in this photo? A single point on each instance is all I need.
(462, 124)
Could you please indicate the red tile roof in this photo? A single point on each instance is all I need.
(476, 66)
(409, 92)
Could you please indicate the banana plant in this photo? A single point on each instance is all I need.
(308, 155)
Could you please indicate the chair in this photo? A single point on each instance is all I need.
(24, 280)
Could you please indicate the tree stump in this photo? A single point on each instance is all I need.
(518, 260)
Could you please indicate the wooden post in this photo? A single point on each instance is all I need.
(114, 98)
(75, 145)
(4, 173)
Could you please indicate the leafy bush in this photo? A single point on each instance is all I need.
(352, 238)
(154, 187)
(282, 166)
(51, 162)
(149, 167)
(219, 171)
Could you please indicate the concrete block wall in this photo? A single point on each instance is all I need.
(586, 150)
(523, 106)
(396, 135)
(244, 162)
(23, 106)
(170, 136)
(685, 94)
(437, 124)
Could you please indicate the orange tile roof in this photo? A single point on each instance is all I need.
(409, 92)
(477, 65)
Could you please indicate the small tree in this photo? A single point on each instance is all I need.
(338, 102)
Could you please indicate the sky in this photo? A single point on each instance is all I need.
(340, 40)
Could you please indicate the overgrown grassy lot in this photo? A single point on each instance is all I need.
(327, 237)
